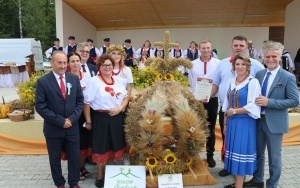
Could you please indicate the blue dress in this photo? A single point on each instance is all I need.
(240, 141)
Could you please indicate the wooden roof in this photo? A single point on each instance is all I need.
(145, 14)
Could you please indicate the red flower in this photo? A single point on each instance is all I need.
(231, 59)
(110, 91)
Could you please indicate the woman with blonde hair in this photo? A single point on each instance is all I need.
(241, 113)
(121, 72)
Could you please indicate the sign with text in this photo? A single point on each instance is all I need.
(123, 176)
(170, 181)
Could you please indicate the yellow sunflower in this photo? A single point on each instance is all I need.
(151, 162)
(188, 161)
(159, 76)
(170, 158)
(169, 77)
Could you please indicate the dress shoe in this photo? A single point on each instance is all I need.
(74, 186)
(223, 173)
(211, 162)
(61, 186)
(230, 186)
(99, 183)
(253, 184)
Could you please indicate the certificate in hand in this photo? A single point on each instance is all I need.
(203, 89)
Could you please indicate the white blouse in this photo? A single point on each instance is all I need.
(125, 76)
(101, 96)
(254, 90)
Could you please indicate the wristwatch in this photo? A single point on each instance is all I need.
(234, 112)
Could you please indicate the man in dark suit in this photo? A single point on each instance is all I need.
(88, 69)
(59, 100)
(279, 92)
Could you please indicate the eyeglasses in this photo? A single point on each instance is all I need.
(106, 66)
(82, 51)
(115, 53)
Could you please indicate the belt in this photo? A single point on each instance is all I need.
(103, 111)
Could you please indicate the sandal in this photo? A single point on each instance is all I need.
(81, 177)
(84, 172)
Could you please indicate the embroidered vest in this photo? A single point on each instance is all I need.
(192, 56)
(72, 48)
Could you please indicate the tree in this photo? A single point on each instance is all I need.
(38, 20)
(20, 18)
(9, 19)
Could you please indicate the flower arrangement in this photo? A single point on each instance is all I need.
(26, 90)
(148, 76)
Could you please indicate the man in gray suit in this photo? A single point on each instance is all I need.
(279, 92)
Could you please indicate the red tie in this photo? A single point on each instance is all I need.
(205, 63)
(62, 87)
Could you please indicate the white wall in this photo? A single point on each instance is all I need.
(69, 22)
(292, 28)
(221, 37)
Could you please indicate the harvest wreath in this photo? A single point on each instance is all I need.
(144, 128)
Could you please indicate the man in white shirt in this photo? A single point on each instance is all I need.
(130, 54)
(105, 46)
(224, 73)
(71, 46)
(56, 47)
(287, 62)
(252, 52)
(94, 52)
(204, 67)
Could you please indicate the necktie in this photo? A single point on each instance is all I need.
(264, 87)
(62, 87)
(83, 68)
(205, 64)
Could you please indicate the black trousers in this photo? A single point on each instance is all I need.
(212, 112)
(221, 122)
(54, 146)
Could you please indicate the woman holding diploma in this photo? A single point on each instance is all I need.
(241, 113)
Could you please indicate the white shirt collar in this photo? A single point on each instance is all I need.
(57, 76)
(275, 71)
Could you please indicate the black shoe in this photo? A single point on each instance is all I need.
(211, 162)
(252, 183)
(230, 186)
(89, 160)
(223, 173)
(99, 183)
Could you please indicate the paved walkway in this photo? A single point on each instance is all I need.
(24, 171)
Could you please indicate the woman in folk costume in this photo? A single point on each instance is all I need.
(177, 52)
(143, 53)
(105, 98)
(192, 52)
(74, 62)
(121, 72)
(241, 113)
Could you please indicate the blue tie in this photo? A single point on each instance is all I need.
(264, 87)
